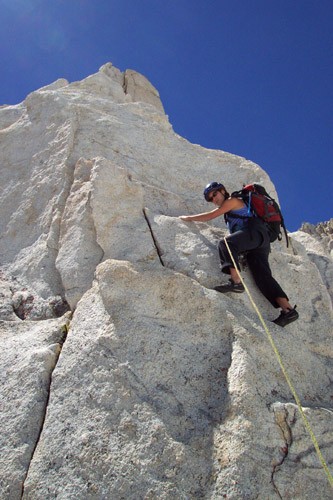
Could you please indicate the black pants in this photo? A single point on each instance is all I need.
(256, 244)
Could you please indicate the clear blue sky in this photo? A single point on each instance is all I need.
(251, 77)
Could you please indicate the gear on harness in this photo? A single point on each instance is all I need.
(242, 260)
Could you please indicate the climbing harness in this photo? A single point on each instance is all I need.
(291, 387)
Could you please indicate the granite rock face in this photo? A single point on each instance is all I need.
(316, 242)
(123, 374)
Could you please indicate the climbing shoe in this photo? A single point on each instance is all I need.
(286, 317)
(230, 287)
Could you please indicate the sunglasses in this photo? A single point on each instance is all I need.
(211, 198)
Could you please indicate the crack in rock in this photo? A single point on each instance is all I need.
(158, 250)
(282, 416)
(60, 344)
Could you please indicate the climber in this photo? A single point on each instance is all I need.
(248, 235)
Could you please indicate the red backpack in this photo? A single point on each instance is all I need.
(261, 205)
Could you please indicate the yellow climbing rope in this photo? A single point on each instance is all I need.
(294, 393)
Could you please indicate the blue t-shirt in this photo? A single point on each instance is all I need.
(235, 224)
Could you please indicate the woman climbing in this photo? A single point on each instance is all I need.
(247, 234)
